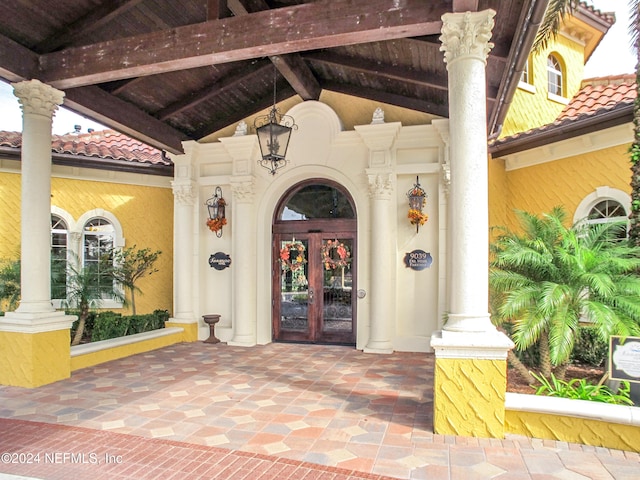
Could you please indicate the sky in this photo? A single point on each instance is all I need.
(612, 57)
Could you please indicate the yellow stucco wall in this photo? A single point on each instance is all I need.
(32, 360)
(530, 110)
(566, 182)
(145, 214)
(9, 215)
(469, 396)
(574, 430)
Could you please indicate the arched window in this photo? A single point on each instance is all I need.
(97, 248)
(317, 201)
(554, 76)
(59, 245)
(607, 211)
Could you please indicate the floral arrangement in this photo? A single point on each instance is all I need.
(292, 263)
(416, 217)
(335, 255)
(216, 224)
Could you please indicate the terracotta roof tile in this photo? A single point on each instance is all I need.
(598, 96)
(107, 144)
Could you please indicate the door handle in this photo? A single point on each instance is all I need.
(310, 297)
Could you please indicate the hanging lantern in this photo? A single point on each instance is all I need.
(274, 133)
(216, 206)
(417, 199)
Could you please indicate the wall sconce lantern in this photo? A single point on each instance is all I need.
(216, 206)
(274, 133)
(417, 200)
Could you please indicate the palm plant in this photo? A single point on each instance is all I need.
(548, 279)
(86, 287)
(10, 283)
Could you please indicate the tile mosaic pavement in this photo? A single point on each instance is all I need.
(329, 406)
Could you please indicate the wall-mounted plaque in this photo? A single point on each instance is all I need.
(624, 359)
(417, 260)
(219, 261)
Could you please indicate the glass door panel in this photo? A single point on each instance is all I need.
(294, 285)
(337, 317)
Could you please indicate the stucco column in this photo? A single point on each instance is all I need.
(379, 138)
(470, 372)
(39, 103)
(34, 340)
(382, 319)
(244, 262)
(184, 200)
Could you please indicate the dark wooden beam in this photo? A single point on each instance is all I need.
(227, 84)
(104, 108)
(310, 26)
(440, 109)
(374, 69)
(17, 63)
(96, 18)
(291, 66)
(215, 9)
(465, 6)
(294, 69)
(223, 122)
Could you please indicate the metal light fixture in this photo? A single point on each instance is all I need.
(216, 206)
(417, 199)
(274, 133)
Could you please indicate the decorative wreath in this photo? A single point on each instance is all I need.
(416, 217)
(298, 260)
(335, 255)
(216, 224)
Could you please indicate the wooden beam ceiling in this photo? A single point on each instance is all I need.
(275, 32)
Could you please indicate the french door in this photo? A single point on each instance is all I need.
(314, 286)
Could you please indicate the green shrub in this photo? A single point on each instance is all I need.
(589, 348)
(580, 389)
(112, 325)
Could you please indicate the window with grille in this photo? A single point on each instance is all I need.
(554, 76)
(59, 242)
(97, 252)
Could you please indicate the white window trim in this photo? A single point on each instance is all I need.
(597, 196)
(75, 238)
(527, 87)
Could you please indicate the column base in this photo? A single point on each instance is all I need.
(470, 382)
(35, 348)
(379, 347)
(243, 341)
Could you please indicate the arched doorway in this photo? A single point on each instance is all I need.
(314, 265)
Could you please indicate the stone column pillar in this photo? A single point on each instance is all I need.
(39, 103)
(382, 249)
(244, 262)
(470, 373)
(379, 138)
(34, 340)
(183, 249)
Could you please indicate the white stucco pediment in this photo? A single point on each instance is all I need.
(318, 125)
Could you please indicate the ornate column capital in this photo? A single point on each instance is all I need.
(380, 185)
(466, 35)
(37, 98)
(183, 192)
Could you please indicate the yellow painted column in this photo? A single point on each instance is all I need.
(470, 370)
(469, 395)
(35, 339)
(35, 349)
